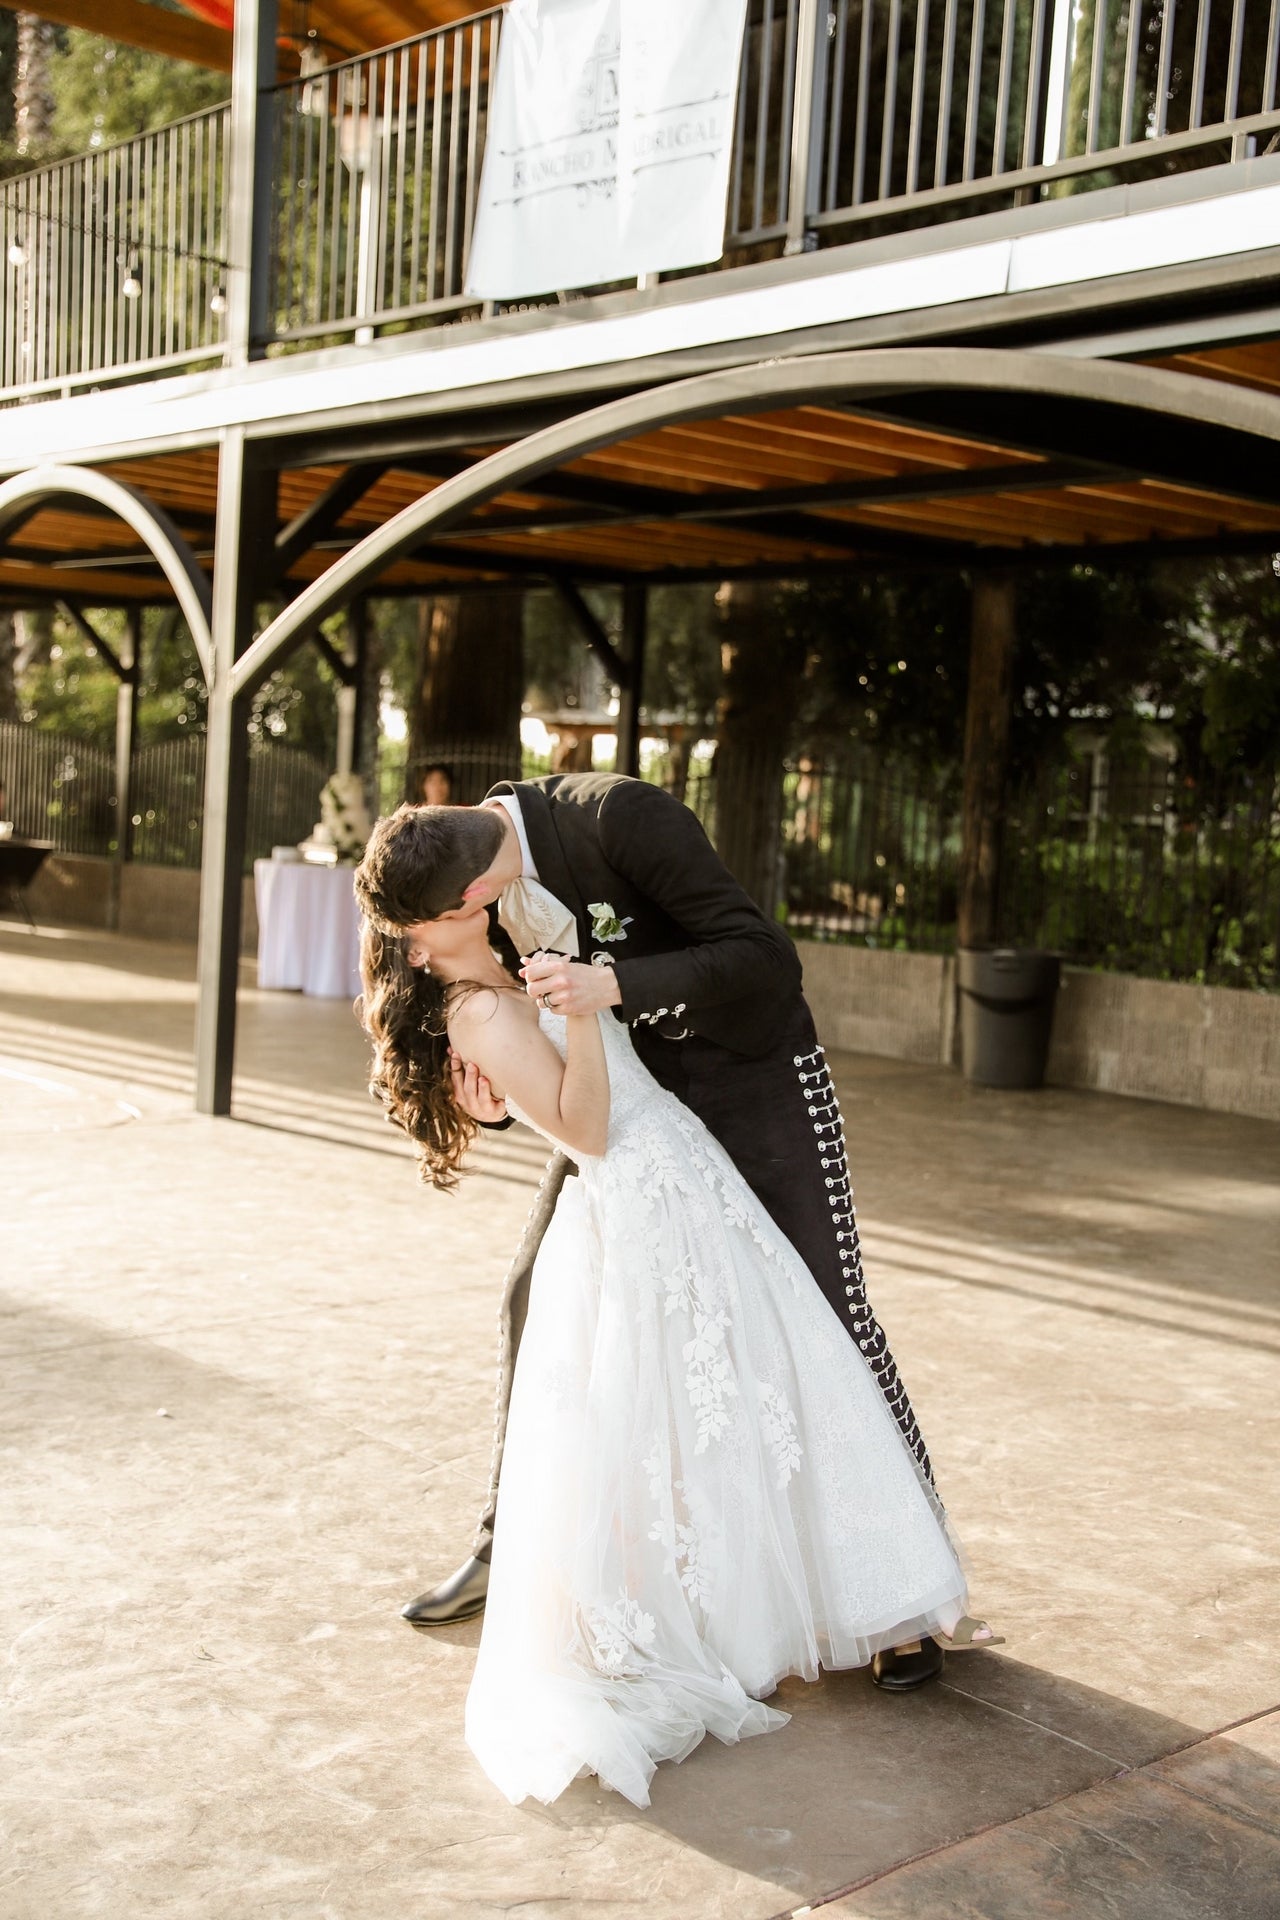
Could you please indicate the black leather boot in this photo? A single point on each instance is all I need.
(900, 1669)
(457, 1598)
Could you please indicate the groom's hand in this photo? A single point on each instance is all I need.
(473, 1093)
(569, 986)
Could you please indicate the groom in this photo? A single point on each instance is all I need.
(616, 887)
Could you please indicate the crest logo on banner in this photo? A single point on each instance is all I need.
(609, 141)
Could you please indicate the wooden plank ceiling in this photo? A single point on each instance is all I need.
(802, 489)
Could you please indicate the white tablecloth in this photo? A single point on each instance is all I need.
(308, 929)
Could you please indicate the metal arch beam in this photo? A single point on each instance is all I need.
(757, 389)
(27, 492)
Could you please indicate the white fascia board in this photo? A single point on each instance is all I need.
(1123, 243)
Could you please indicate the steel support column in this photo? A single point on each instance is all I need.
(242, 552)
(635, 622)
(249, 188)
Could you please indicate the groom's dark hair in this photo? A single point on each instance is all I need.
(420, 861)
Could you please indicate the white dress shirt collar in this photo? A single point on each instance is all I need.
(511, 807)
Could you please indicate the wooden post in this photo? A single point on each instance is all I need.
(243, 549)
(635, 625)
(992, 645)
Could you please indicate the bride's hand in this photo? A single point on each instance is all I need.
(473, 1092)
(569, 986)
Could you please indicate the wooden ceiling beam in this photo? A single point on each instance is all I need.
(134, 24)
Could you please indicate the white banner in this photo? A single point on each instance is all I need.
(609, 140)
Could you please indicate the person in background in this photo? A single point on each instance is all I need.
(435, 785)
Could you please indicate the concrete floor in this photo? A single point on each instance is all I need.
(244, 1412)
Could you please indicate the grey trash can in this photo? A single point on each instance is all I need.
(1006, 1014)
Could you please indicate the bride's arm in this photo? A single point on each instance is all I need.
(567, 1098)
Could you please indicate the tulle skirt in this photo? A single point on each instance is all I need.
(703, 1490)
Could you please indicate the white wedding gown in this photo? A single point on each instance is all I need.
(703, 1489)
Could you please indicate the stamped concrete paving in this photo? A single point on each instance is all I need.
(244, 1409)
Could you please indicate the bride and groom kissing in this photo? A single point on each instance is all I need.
(708, 1475)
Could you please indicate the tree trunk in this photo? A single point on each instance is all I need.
(471, 684)
(8, 659)
(763, 666)
(993, 643)
(32, 98)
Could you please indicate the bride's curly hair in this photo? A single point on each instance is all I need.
(416, 866)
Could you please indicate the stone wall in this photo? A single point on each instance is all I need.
(1214, 1047)
(155, 903)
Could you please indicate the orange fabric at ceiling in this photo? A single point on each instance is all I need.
(219, 13)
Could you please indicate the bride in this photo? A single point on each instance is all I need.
(703, 1489)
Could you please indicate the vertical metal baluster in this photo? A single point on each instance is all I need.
(324, 160)
(92, 300)
(419, 132)
(861, 105)
(1197, 69)
(946, 81)
(471, 182)
(835, 110)
(382, 202)
(187, 295)
(890, 98)
(360, 104)
(1231, 104)
(171, 229)
(337, 169)
(309, 135)
(972, 96)
(289, 208)
(736, 187)
(762, 117)
(917, 95)
(787, 105)
(1163, 68)
(1007, 33)
(1273, 37)
(111, 283)
(1031, 114)
(40, 323)
(440, 45)
(1130, 71)
(68, 255)
(397, 296)
(1096, 75)
(453, 279)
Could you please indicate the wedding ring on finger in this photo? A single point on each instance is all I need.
(544, 1001)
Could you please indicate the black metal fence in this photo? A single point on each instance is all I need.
(1150, 873)
(1157, 873)
(1153, 874)
(61, 789)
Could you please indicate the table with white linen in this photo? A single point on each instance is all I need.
(308, 928)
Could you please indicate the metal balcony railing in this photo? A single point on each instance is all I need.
(116, 260)
(853, 116)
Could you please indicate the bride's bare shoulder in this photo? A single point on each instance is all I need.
(483, 1008)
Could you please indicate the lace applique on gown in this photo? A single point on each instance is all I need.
(703, 1489)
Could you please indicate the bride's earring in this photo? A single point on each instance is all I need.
(417, 958)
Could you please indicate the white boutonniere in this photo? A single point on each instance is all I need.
(605, 924)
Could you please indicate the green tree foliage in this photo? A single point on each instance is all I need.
(101, 93)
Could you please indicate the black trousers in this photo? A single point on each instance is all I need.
(777, 1118)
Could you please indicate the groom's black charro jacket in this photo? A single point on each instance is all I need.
(696, 954)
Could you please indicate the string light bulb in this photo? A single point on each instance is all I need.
(17, 254)
(132, 288)
(218, 300)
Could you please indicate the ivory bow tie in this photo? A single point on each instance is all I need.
(534, 918)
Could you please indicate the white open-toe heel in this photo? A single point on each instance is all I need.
(961, 1638)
